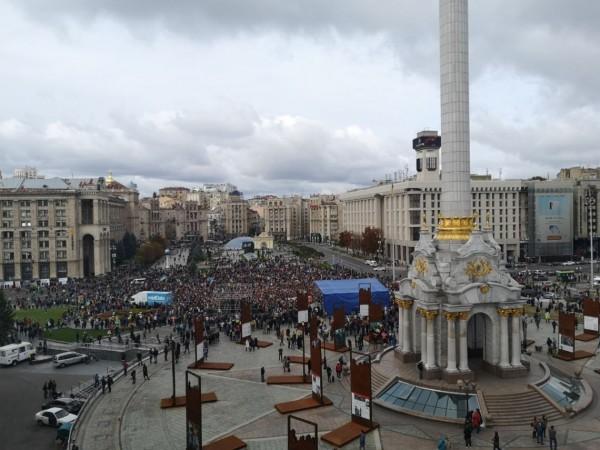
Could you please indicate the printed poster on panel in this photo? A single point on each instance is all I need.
(590, 323)
(361, 406)
(303, 316)
(246, 329)
(553, 218)
(364, 310)
(566, 343)
(316, 385)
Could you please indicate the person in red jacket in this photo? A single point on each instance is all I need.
(476, 420)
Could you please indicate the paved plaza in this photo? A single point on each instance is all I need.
(130, 418)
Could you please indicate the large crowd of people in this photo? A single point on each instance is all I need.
(270, 285)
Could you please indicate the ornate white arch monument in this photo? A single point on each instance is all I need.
(458, 297)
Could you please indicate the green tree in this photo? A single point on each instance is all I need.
(345, 239)
(7, 318)
(371, 239)
(151, 251)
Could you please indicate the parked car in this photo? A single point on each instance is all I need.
(371, 262)
(54, 417)
(69, 404)
(568, 263)
(379, 269)
(549, 295)
(69, 358)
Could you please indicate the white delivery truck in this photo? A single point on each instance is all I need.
(14, 353)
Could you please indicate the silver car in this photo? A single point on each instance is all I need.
(70, 358)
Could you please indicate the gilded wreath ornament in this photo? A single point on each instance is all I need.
(478, 268)
(421, 265)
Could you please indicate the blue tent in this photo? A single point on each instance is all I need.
(345, 292)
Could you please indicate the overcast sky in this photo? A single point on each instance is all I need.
(287, 96)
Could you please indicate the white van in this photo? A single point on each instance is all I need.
(13, 353)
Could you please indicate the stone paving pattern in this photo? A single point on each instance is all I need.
(246, 408)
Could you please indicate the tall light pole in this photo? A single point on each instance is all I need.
(393, 234)
(590, 203)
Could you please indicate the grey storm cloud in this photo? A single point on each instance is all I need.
(534, 74)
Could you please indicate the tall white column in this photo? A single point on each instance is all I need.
(423, 339)
(454, 74)
(503, 338)
(406, 330)
(463, 364)
(430, 364)
(451, 365)
(400, 325)
(516, 340)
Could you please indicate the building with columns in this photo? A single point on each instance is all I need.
(459, 307)
(56, 228)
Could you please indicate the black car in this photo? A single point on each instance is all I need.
(69, 404)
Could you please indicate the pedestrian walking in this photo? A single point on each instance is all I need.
(442, 445)
(496, 441)
(145, 372)
(338, 370)
(133, 376)
(329, 374)
(476, 420)
(363, 440)
(247, 345)
(539, 431)
(280, 354)
(109, 383)
(96, 381)
(103, 383)
(552, 437)
(467, 433)
(125, 365)
(262, 374)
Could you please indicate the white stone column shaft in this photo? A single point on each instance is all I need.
(463, 364)
(406, 331)
(516, 341)
(451, 365)
(430, 364)
(454, 80)
(423, 339)
(504, 341)
(400, 326)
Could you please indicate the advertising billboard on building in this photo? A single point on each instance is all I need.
(553, 218)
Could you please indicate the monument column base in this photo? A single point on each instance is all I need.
(407, 357)
(432, 373)
(511, 371)
(451, 376)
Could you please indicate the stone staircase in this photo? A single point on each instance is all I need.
(519, 409)
(378, 380)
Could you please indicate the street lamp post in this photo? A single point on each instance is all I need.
(590, 203)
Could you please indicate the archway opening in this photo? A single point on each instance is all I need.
(88, 255)
(479, 340)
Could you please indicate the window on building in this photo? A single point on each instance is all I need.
(8, 256)
(7, 214)
(7, 245)
(25, 256)
(8, 235)
(43, 234)
(25, 203)
(25, 223)
(42, 203)
(43, 223)
(62, 269)
(419, 165)
(6, 203)
(61, 223)
(44, 255)
(44, 244)
(61, 213)
(42, 213)
(60, 203)
(61, 254)
(431, 163)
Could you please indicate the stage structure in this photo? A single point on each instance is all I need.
(458, 299)
(336, 293)
(306, 441)
(361, 406)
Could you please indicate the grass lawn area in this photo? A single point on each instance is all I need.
(41, 315)
(69, 334)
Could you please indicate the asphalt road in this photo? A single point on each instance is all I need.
(21, 396)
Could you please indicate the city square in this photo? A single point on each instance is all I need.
(436, 308)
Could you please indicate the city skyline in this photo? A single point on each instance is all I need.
(285, 100)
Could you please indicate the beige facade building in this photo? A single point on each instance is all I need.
(287, 218)
(55, 228)
(324, 212)
(184, 219)
(235, 216)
